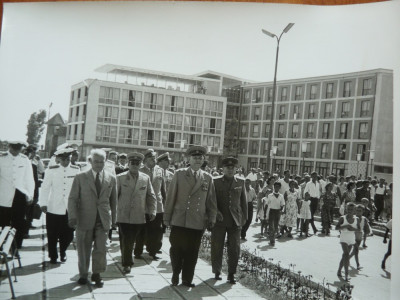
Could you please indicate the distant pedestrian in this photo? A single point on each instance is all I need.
(291, 196)
(305, 216)
(312, 192)
(359, 233)
(251, 198)
(276, 203)
(328, 201)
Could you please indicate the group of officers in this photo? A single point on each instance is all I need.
(139, 194)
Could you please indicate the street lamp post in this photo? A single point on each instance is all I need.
(371, 157)
(272, 155)
(304, 151)
(358, 160)
(271, 130)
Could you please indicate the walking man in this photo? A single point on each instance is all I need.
(190, 208)
(17, 187)
(153, 231)
(53, 199)
(135, 199)
(251, 196)
(92, 211)
(312, 191)
(232, 215)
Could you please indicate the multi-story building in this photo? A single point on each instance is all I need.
(140, 109)
(321, 124)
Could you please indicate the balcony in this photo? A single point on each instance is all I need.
(281, 134)
(310, 135)
(329, 95)
(297, 97)
(363, 135)
(293, 153)
(325, 135)
(324, 155)
(313, 96)
(282, 116)
(366, 92)
(294, 135)
(343, 135)
(311, 115)
(345, 114)
(327, 114)
(364, 113)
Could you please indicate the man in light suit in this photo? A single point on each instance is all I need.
(232, 215)
(92, 211)
(190, 208)
(135, 199)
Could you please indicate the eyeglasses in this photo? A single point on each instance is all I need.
(135, 162)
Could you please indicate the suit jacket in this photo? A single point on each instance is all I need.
(189, 203)
(231, 199)
(135, 200)
(83, 203)
(158, 184)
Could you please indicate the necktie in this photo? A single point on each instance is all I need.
(98, 184)
(195, 176)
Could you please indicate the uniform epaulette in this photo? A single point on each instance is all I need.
(3, 153)
(218, 177)
(23, 155)
(54, 167)
(121, 174)
(74, 167)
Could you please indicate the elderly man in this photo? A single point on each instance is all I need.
(17, 187)
(190, 208)
(53, 199)
(92, 211)
(135, 198)
(153, 231)
(232, 215)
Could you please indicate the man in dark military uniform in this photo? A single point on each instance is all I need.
(122, 166)
(231, 216)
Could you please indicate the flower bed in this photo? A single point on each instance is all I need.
(273, 281)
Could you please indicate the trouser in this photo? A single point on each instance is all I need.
(184, 251)
(304, 225)
(128, 234)
(29, 213)
(313, 209)
(151, 235)
(379, 203)
(218, 234)
(14, 216)
(249, 219)
(58, 231)
(85, 239)
(274, 216)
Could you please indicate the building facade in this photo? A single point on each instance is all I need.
(55, 135)
(321, 124)
(141, 109)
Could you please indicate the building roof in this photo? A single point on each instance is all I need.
(322, 78)
(56, 120)
(225, 77)
(123, 70)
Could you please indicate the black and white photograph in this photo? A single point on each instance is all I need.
(199, 150)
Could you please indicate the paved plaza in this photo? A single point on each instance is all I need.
(317, 256)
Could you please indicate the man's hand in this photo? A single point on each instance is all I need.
(72, 223)
(210, 226)
(152, 217)
(29, 200)
(167, 223)
(44, 209)
(384, 241)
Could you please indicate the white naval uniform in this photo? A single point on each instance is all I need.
(15, 173)
(56, 186)
(110, 166)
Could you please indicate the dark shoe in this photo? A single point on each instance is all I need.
(82, 280)
(188, 284)
(138, 256)
(231, 279)
(63, 257)
(97, 279)
(53, 261)
(243, 239)
(175, 279)
(32, 227)
(217, 276)
(159, 252)
(289, 235)
(127, 270)
(26, 236)
(155, 257)
(315, 231)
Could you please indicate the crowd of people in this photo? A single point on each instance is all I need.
(141, 194)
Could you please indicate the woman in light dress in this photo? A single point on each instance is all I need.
(291, 197)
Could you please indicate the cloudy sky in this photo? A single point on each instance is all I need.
(47, 47)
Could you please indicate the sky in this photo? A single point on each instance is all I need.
(47, 47)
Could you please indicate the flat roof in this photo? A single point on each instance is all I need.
(225, 76)
(321, 78)
(123, 70)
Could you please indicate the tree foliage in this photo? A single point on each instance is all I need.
(231, 138)
(36, 126)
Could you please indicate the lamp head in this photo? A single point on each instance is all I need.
(290, 25)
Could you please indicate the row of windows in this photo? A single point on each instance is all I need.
(151, 137)
(327, 111)
(347, 90)
(125, 116)
(298, 167)
(156, 101)
(294, 149)
(309, 130)
(77, 94)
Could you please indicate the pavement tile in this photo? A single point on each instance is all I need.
(22, 296)
(69, 291)
(113, 288)
(116, 296)
(164, 293)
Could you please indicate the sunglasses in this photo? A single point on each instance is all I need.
(135, 162)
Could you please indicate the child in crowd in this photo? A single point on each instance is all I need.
(262, 215)
(347, 225)
(276, 203)
(305, 216)
(360, 233)
(389, 251)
